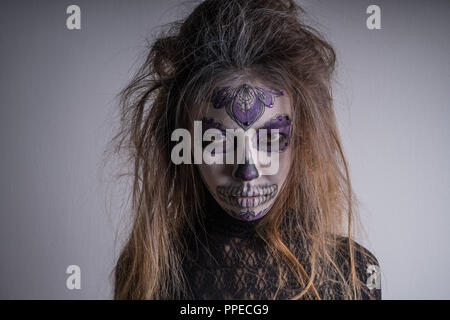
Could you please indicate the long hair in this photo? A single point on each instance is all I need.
(219, 41)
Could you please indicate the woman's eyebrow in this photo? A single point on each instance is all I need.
(209, 123)
(278, 121)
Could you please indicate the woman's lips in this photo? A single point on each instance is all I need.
(242, 197)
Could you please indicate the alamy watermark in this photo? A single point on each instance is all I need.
(73, 21)
(373, 21)
(251, 147)
(73, 281)
(374, 280)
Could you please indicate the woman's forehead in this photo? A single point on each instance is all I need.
(239, 107)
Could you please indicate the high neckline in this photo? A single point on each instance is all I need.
(218, 220)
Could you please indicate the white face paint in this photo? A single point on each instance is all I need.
(240, 188)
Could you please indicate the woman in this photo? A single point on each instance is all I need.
(234, 230)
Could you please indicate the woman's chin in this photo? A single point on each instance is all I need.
(248, 214)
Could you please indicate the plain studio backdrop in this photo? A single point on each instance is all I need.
(58, 107)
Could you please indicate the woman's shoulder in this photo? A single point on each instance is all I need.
(362, 254)
(366, 265)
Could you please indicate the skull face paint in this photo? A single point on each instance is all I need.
(240, 188)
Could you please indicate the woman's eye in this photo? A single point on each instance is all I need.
(271, 138)
(269, 141)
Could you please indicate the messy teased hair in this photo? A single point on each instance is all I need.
(220, 41)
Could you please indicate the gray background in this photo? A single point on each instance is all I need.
(57, 99)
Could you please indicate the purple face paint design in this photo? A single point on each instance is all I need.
(247, 197)
(245, 104)
(249, 215)
(280, 122)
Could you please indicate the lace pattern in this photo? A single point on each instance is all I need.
(230, 261)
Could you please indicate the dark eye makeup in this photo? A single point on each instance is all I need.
(280, 122)
(261, 141)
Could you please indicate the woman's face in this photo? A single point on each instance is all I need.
(247, 186)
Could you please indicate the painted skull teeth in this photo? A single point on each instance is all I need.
(247, 197)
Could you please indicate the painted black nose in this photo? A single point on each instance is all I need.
(246, 172)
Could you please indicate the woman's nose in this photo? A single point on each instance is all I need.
(247, 170)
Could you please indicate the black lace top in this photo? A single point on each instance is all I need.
(230, 261)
